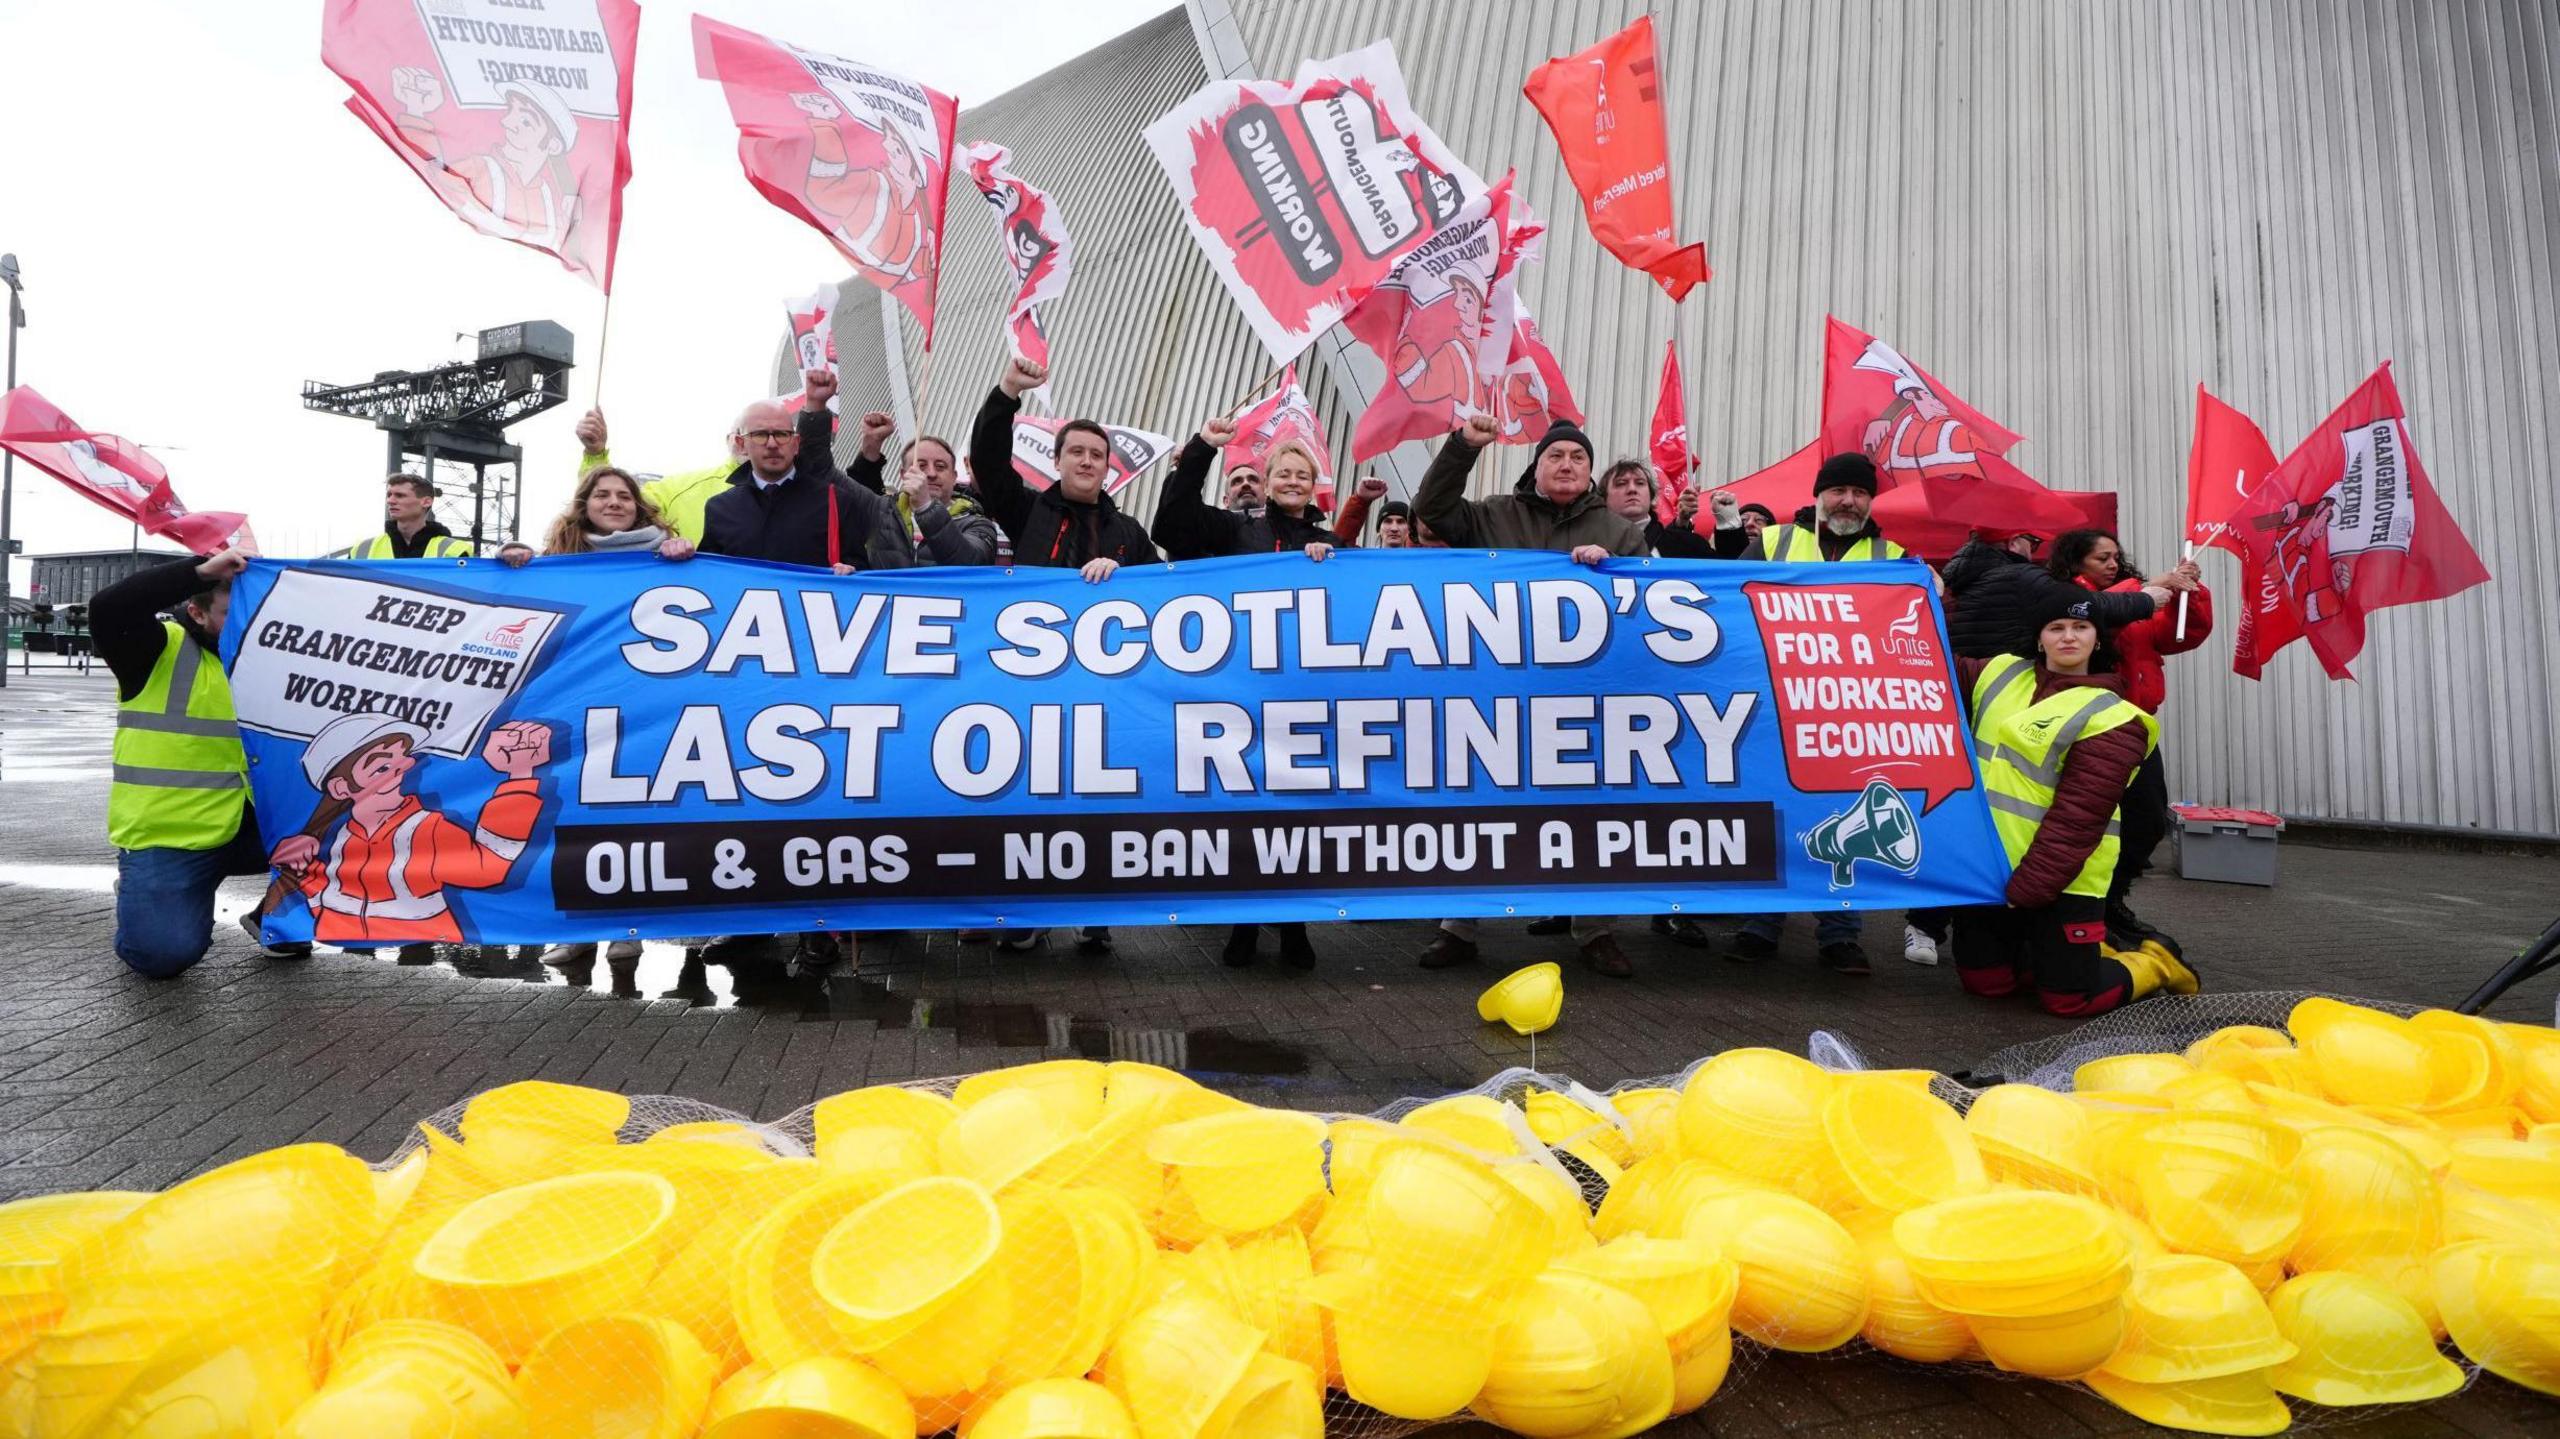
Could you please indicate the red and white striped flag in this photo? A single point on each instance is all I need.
(114, 473)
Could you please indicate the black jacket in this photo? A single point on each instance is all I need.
(1993, 598)
(1048, 529)
(1189, 528)
(124, 620)
(958, 533)
(788, 524)
(1680, 542)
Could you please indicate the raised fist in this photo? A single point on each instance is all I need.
(417, 89)
(1220, 432)
(817, 106)
(1728, 509)
(518, 749)
(1480, 431)
(1371, 488)
(590, 431)
(1020, 375)
(1688, 508)
(877, 427)
(817, 387)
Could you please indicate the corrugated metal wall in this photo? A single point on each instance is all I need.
(2072, 213)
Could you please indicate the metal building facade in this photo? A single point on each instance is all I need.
(2072, 213)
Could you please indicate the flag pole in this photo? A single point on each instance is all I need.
(2182, 594)
(604, 330)
(1254, 389)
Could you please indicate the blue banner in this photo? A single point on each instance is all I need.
(607, 746)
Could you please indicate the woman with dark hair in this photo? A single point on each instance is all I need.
(2059, 742)
(2095, 560)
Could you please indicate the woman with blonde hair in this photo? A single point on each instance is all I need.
(607, 515)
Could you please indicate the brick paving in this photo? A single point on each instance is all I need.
(107, 1080)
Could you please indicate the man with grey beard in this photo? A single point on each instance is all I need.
(1835, 526)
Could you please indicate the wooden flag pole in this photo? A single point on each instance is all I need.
(1254, 389)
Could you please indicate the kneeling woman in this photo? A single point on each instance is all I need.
(1186, 527)
(2058, 746)
(608, 515)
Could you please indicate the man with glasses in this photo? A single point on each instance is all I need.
(788, 502)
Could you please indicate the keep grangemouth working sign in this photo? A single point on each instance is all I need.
(591, 747)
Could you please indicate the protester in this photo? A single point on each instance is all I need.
(609, 514)
(1072, 524)
(1244, 488)
(1836, 526)
(789, 503)
(1349, 525)
(178, 810)
(2059, 744)
(942, 523)
(1630, 489)
(678, 498)
(1395, 526)
(1995, 589)
(410, 530)
(2095, 560)
(1751, 519)
(1553, 506)
(1185, 524)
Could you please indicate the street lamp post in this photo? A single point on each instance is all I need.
(8, 467)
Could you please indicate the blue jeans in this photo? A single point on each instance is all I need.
(164, 901)
(1830, 926)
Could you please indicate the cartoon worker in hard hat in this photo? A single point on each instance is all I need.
(390, 858)
(519, 189)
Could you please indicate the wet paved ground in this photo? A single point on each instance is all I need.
(109, 1080)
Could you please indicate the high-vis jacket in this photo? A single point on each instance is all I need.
(433, 542)
(2023, 744)
(387, 884)
(678, 498)
(181, 776)
(1801, 542)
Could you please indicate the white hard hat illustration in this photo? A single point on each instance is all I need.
(553, 108)
(347, 735)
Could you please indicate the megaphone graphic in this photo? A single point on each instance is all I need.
(1879, 827)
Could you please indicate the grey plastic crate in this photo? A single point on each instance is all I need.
(2227, 851)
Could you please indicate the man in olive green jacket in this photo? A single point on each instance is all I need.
(1553, 507)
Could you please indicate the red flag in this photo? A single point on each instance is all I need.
(2347, 525)
(812, 321)
(1781, 489)
(1670, 444)
(1935, 521)
(1525, 388)
(860, 154)
(2226, 464)
(1430, 322)
(519, 123)
(1605, 107)
(1035, 242)
(1305, 196)
(1035, 451)
(113, 472)
(1876, 403)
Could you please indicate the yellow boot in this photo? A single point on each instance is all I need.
(2154, 969)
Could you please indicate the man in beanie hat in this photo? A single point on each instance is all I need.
(1835, 526)
(1552, 506)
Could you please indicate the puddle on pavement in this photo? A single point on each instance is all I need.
(672, 971)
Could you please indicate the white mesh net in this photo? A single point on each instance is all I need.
(2199, 1207)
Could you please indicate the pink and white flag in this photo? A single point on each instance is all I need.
(1284, 414)
(1035, 451)
(1034, 239)
(518, 121)
(860, 154)
(1428, 322)
(114, 473)
(1524, 386)
(1304, 196)
(811, 322)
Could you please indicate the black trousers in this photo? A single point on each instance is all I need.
(2145, 812)
(2053, 950)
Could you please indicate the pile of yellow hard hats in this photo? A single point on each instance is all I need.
(1078, 1250)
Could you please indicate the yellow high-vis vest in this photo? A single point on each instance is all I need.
(439, 548)
(1795, 542)
(181, 777)
(2022, 742)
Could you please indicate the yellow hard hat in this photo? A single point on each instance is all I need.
(2359, 1343)
(1526, 999)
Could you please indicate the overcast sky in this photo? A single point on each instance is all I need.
(203, 227)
